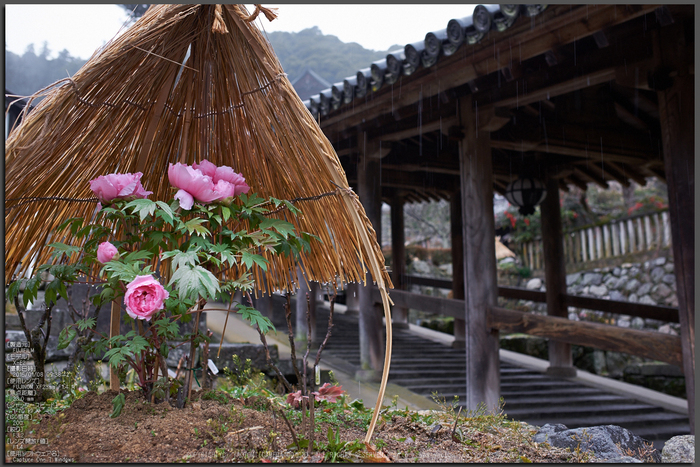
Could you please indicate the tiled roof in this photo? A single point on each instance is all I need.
(465, 32)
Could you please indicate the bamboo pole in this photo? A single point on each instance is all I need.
(615, 228)
(631, 236)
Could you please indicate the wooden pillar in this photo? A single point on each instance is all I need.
(677, 118)
(370, 316)
(301, 324)
(457, 263)
(352, 303)
(480, 284)
(560, 359)
(399, 315)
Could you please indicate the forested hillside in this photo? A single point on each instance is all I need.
(327, 55)
(27, 73)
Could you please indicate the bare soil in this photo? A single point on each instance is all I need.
(234, 430)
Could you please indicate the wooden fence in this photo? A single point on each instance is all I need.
(633, 234)
(647, 344)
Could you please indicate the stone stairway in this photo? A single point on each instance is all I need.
(428, 368)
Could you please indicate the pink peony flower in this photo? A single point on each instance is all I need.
(144, 296)
(206, 183)
(328, 393)
(227, 174)
(115, 186)
(192, 184)
(106, 252)
(206, 167)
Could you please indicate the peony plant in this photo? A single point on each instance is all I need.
(172, 258)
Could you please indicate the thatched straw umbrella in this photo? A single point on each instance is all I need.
(186, 83)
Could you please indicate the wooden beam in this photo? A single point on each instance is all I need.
(441, 124)
(627, 172)
(589, 173)
(574, 84)
(677, 116)
(420, 168)
(457, 256)
(557, 146)
(398, 257)
(560, 358)
(648, 344)
(554, 28)
(370, 319)
(574, 180)
(480, 283)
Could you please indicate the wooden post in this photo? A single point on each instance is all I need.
(599, 242)
(677, 118)
(667, 228)
(399, 314)
(560, 359)
(302, 306)
(606, 241)
(623, 238)
(457, 263)
(647, 233)
(480, 283)
(615, 239)
(370, 317)
(114, 330)
(642, 243)
(631, 236)
(352, 299)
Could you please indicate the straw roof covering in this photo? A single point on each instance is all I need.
(185, 83)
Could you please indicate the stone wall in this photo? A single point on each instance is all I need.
(652, 283)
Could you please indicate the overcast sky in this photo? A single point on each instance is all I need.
(81, 29)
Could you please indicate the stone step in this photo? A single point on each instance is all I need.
(564, 400)
(582, 390)
(633, 422)
(607, 410)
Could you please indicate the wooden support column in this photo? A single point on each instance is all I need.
(560, 359)
(677, 118)
(399, 314)
(301, 306)
(480, 284)
(370, 316)
(457, 263)
(352, 303)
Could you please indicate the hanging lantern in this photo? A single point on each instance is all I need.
(526, 192)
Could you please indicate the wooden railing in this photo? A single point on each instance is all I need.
(619, 237)
(647, 344)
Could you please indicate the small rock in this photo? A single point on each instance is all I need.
(197, 405)
(635, 271)
(615, 295)
(633, 298)
(620, 283)
(607, 441)
(657, 273)
(571, 279)
(669, 279)
(667, 329)
(598, 290)
(647, 300)
(617, 272)
(644, 289)
(592, 278)
(573, 316)
(660, 291)
(632, 285)
(637, 323)
(668, 267)
(586, 290)
(679, 449)
(672, 301)
(626, 265)
(660, 261)
(624, 322)
(623, 460)
(534, 284)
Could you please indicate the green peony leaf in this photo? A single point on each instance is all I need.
(195, 281)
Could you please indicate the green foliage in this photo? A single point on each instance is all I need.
(117, 405)
(27, 73)
(326, 55)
